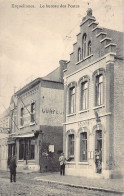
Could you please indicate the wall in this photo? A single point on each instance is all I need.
(51, 136)
(52, 103)
(32, 94)
(118, 116)
(3, 151)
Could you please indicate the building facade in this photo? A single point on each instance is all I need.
(4, 131)
(36, 123)
(93, 94)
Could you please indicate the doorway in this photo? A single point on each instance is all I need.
(98, 151)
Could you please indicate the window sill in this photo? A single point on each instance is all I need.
(83, 163)
(84, 59)
(73, 114)
(83, 111)
(33, 123)
(97, 107)
(71, 162)
(19, 161)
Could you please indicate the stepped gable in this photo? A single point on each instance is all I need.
(103, 41)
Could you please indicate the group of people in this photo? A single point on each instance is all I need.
(62, 160)
(12, 166)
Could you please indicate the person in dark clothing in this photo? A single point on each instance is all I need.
(62, 161)
(12, 167)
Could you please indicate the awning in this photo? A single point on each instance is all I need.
(25, 135)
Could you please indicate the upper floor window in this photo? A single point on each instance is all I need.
(83, 146)
(33, 112)
(79, 54)
(71, 146)
(84, 95)
(22, 117)
(99, 90)
(84, 44)
(72, 100)
(89, 48)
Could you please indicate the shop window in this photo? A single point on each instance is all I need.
(79, 54)
(84, 95)
(21, 150)
(33, 112)
(99, 90)
(22, 117)
(26, 149)
(32, 147)
(71, 146)
(89, 48)
(84, 44)
(72, 100)
(83, 146)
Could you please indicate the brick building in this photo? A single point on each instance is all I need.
(93, 94)
(37, 132)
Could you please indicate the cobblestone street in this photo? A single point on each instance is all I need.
(27, 185)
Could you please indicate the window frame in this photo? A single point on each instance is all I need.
(71, 146)
(84, 46)
(79, 55)
(72, 86)
(84, 95)
(99, 87)
(22, 116)
(33, 112)
(100, 71)
(89, 48)
(83, 141)
(82, 81)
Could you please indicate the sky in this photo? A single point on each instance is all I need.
(34, 40)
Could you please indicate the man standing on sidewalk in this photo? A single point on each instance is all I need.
(62, 161)
(12, 168)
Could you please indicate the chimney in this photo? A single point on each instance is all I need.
(63, 66)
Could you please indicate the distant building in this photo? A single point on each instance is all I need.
(36, 129)
(4, 130)
(93, 88)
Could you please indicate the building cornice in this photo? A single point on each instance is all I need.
(90, 64)
(92, 117)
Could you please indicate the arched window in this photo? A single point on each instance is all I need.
(72, 97)
(83, 146)
(99, 80)
(71, 146)
(84, 95)
(89, 48)
(72, 100)
(99, 90)
(79, 54)
(84, 44)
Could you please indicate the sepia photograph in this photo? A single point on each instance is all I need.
(61, 97)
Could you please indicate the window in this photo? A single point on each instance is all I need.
(83, 146)
(22, 117)
(99, 89)
(84, 95)
(21, 150)
(71, 146)
(33, 112)
(89, 48)
(72, 100)
(84, 52)
(27, 149)
(31, 148)
(79, 54)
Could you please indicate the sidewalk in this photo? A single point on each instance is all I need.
(106, 185)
